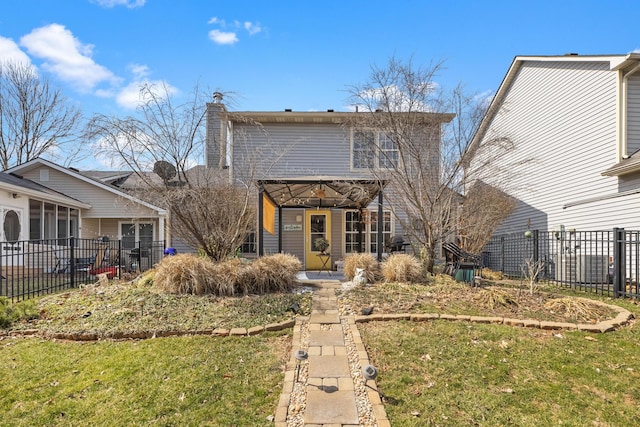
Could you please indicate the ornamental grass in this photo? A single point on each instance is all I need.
(191, 274)
(366, 261)
(402, 268)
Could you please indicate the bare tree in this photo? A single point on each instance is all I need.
(422, 149)
(162, 146)
(483, 209)
(35, 118)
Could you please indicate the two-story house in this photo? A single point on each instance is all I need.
(574, 122)
(313, 171)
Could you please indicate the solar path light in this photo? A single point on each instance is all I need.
(301, 356)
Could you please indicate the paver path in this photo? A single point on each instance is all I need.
(329, 380)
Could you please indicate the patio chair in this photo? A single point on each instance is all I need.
(397, 244)
(461, 265)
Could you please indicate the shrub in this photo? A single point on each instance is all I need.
(191, 274)
(10, 313)
(184, 274)
(366, 261)
(402, 268)
(275, 273)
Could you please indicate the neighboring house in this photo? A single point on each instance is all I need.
(100, 210)
(314, 178)
(575, 125)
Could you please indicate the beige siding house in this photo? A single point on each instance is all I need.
(576, 121)
(103, 211)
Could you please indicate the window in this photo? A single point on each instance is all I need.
(131, 233)
(373, 150)
(369, 226)
(249, 244)
(11, 226)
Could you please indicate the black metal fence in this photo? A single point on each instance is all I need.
(36, 267)
(604, 262)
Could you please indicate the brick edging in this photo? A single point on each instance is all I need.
(622, 318)
(218, 332)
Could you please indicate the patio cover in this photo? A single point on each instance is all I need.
(319, 192)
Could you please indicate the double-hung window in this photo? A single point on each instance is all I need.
(372, 150)
(361, 232)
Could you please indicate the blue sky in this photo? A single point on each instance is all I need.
(301, 55)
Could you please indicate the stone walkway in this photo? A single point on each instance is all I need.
(327, 389)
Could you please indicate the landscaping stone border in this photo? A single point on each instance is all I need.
(622, 318)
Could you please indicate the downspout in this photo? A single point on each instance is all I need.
(622, 114)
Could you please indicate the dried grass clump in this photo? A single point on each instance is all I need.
(492, 297)
(231, 277)
(402, 268)
(572, 308)
(491, 275)
(274, 273)
(184, 274)
(365, 261)
(191, 274)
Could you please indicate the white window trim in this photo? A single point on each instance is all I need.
(376, 148)
(366, 233)
(137, 229)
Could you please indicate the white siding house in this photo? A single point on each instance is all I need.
(576, 121)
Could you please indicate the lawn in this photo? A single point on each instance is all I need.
(177, 381)
(451, 373)
(435, 373)
(173, 381)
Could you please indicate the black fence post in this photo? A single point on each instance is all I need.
(618, 262)
(72, 261)
(502, 253)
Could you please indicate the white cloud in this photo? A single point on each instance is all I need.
(216, 20)
(131, 4)
(230, 37)
(222, 37)
(10, 52)
(129, 97)
(252, 28)
(66, 57)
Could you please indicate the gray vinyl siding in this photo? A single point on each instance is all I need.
(291, 150)
(562, 115)
(633, 115)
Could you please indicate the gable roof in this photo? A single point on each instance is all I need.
(32, 189)
(616, 62)
(38, 162)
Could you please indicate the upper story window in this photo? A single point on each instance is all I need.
(372, 150)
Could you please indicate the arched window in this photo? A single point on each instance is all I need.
(11, 226)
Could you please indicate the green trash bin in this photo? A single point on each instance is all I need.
(465, 272)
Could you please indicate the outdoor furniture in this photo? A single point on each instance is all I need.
(326, 265)
(397, 244)
(461, 265)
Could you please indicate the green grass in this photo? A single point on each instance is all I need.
(461, 374)
(180, 381)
